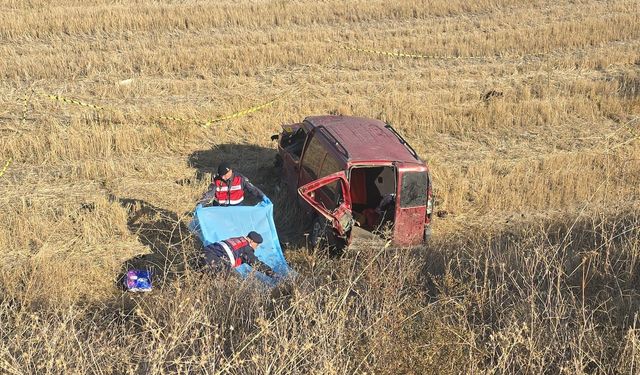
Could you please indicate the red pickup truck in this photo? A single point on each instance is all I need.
(354, 172)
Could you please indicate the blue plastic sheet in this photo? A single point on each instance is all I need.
(213, 224)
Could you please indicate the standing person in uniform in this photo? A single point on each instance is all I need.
(228, 188)
(233, 252)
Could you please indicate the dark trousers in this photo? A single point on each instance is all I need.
(223, 204)
(217, 264)
(215, 261)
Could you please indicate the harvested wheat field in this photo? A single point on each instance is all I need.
(113, 115)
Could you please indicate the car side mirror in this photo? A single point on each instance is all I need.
(274, 137)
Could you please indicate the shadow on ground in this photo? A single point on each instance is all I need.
(254, 162)
(593, 258)
(257, 164)
(174, 250)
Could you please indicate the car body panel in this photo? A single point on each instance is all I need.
(354, 132)
(409, 229)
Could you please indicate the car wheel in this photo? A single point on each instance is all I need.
(278, 162)
(323, 236)
(427, 233)
(318, 236)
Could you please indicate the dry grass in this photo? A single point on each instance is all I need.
(534, 269)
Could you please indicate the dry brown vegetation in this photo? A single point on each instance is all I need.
(535, 269)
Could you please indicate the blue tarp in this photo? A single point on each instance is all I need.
(213, 224)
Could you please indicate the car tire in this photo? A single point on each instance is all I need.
(277, 162)
(319, 233)
(427, 234)
(323, 236)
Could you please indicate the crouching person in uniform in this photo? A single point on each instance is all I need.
(228, 189)
(233, 252)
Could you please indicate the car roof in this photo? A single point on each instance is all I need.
(364, 139)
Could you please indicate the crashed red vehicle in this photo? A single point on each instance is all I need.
(356, 175)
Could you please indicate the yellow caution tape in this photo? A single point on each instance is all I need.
(5, 167)
(72, 101)
(240, 113)
(25, 109)
(413, 56)
(218, 119)
(179, 119)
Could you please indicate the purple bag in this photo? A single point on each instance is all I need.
(138, 281)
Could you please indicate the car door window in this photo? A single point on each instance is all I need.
(330, 166)
(332, 192)
(313, 157)
(331, 195)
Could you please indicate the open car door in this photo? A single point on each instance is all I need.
(330, 197)
(411, 207)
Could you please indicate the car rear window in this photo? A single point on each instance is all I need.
(414, 189)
